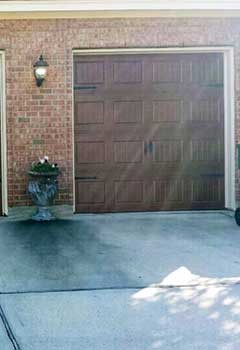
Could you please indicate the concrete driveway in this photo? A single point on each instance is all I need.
(121, 281)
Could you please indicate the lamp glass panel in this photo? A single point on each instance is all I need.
(40, 72)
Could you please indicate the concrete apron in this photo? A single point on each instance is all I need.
(116, 251)
(176, 318)
(156, 282)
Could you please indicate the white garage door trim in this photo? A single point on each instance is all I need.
(229, 104)
(3, 135)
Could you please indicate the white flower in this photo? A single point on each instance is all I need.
(46, 158)
(41, 161)
(53, 165)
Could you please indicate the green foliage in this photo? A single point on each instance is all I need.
(44, 166)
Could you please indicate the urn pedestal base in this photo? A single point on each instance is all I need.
(43, 188)
(43, 214)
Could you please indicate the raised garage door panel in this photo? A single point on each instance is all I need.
(149, 132)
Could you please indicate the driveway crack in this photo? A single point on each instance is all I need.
(8, 329)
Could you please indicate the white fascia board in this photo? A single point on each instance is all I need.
(113, 5)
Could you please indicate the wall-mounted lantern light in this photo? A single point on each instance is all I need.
(40, 70)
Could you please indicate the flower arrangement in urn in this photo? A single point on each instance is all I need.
(43, 187)
(44, 166)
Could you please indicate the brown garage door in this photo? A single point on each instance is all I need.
(149, 132)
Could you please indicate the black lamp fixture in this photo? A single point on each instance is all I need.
(40, 70)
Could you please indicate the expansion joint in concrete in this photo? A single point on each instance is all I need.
(8, 329)
(226, 282)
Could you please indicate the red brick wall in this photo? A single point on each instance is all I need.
(39, 121)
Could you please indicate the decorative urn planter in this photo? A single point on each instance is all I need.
(43, 188)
